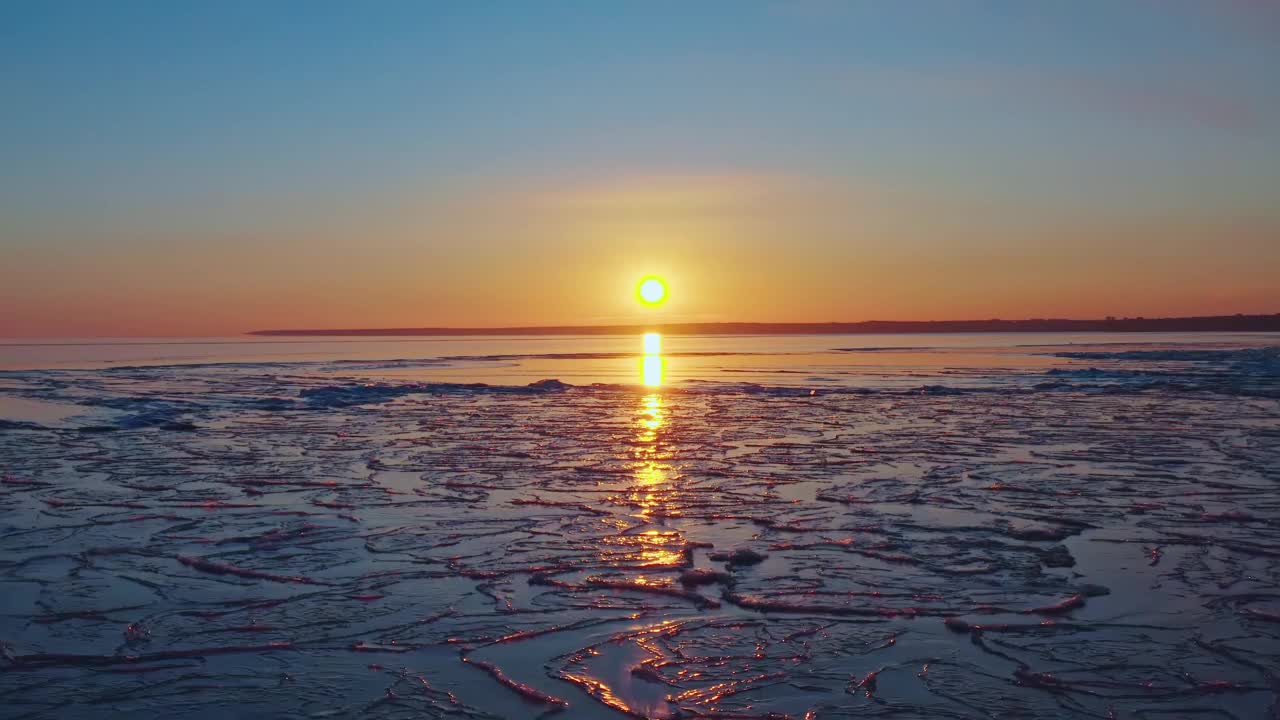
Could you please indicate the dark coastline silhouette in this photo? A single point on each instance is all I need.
(1212, 323)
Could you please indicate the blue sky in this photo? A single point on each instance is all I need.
(176, 124)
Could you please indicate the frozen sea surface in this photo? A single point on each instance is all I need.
(807, 528)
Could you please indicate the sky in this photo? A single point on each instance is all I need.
(194, 168)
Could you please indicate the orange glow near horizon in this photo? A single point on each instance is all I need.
(755, 248)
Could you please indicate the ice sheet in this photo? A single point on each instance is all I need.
(1092, 539)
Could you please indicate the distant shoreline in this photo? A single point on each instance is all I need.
(1214, 323)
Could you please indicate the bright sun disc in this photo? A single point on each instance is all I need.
(651, 291)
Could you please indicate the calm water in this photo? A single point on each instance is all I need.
(591, 356)
(957, 526)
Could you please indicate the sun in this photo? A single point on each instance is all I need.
(651, 291)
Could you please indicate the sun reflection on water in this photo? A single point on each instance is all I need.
(653, 366)
(652, 343)
(652, 370)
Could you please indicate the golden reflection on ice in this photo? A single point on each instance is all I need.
(661, 549)
(650, 418)
(648, 549)
(647, 450)
(650, 457)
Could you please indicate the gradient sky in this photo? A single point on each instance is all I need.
(205, 168)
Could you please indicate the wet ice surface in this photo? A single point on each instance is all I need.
(1093, 539)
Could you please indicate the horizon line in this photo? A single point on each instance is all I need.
(1207, 323)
